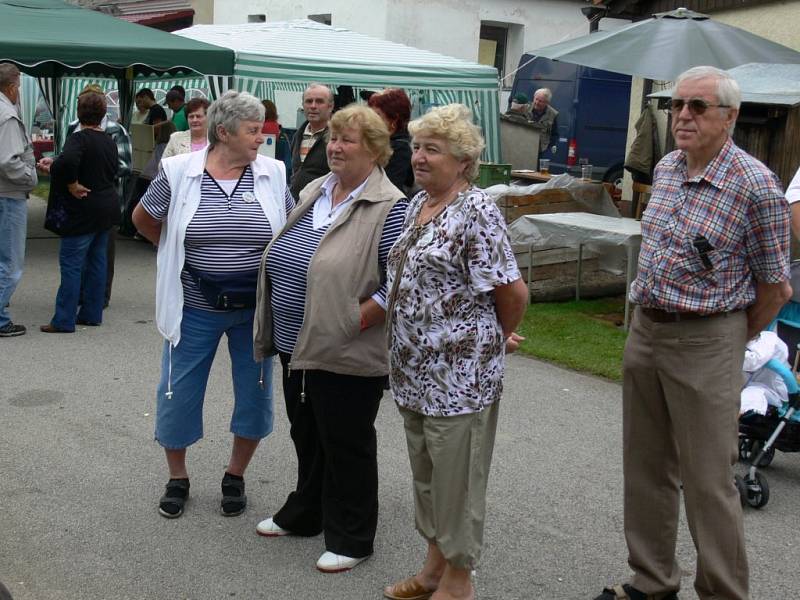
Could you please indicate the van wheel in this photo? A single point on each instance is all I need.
(615, 175)
(612, 179)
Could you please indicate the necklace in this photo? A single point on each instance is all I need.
(437, 208)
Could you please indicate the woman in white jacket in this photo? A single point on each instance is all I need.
(211, 214)
(196, 138)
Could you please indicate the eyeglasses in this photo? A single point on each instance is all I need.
(697, 106)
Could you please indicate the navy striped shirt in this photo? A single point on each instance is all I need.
(226, 234)
(287, 266)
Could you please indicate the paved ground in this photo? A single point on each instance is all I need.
(80, 477)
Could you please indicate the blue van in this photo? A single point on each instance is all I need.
(593, 107)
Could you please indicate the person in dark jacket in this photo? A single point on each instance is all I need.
(308, 146)
(547, 117)
(82, 208)
(394, 107)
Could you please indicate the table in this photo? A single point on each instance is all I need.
(540, 177)
(575, 229)
(530, 175)
(41, 146)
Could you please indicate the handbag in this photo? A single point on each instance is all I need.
(226, 291)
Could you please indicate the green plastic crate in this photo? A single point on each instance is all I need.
(490, 174)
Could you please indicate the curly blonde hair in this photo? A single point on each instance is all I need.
(374, 133)
(453, 123)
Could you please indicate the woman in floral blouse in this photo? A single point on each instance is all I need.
(456, 298)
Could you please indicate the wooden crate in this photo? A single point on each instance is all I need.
(544, 202)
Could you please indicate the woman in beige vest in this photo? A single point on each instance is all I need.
(321, 308)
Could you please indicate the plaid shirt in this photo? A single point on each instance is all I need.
(738, 206)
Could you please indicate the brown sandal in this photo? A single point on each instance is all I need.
(408, 589)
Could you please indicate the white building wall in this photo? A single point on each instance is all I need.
(450, 27)
(364, 16)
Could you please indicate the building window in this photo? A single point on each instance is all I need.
(256, 18)
(492, 46)
(325, 18)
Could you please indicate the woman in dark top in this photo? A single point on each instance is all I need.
(394, 107)
(82, 208)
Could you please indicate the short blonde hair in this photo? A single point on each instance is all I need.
(453, 123)
(374, 133)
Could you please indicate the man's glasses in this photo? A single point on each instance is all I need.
(697, 106)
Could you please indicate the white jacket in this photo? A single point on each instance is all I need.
(185, 175)
(180, 142)
(763, 386)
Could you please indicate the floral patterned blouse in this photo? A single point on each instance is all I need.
(445, 341)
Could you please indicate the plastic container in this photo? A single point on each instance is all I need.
(490, 174)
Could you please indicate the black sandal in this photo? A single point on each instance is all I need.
(174, 499)
(234, 500)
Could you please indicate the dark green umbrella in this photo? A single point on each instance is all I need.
(667, 44)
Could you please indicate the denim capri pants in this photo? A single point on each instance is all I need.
(179, 418)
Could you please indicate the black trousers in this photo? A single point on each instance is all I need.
(138, 190)
(333, 430)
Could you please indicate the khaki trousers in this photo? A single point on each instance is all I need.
(680, 408)
(450, 459)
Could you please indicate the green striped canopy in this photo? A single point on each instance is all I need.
(290, 55)
(70, 87)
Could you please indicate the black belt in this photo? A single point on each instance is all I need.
(662, 316)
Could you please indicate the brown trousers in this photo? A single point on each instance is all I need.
(681, 390)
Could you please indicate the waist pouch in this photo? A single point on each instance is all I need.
(226, 291)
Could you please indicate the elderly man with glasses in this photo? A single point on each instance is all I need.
(713, 271)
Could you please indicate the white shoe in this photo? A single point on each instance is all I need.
(336, 563)
(269, 528)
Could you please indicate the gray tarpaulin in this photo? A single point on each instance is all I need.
(574, 229)
(578, 230)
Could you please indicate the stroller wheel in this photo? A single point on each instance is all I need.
(757, 491)
(766, 460)
(741, 488)
(746, 449)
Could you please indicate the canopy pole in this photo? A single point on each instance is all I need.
(50, 87)
(125, 84)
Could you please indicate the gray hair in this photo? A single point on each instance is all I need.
(319, 85)
(229, 110)
(9, 73)
(728, 92)
(548, 95)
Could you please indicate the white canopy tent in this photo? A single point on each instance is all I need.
(289, 55)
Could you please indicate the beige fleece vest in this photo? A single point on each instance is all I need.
(344, 271)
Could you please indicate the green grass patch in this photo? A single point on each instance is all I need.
(43, 188)
(585, 335)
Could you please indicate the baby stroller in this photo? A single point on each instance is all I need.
(778, 429)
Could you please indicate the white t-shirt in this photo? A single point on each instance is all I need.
(793, 191)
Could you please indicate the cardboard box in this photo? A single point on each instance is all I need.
(143, 141)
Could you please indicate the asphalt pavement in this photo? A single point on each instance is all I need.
(80, 477)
